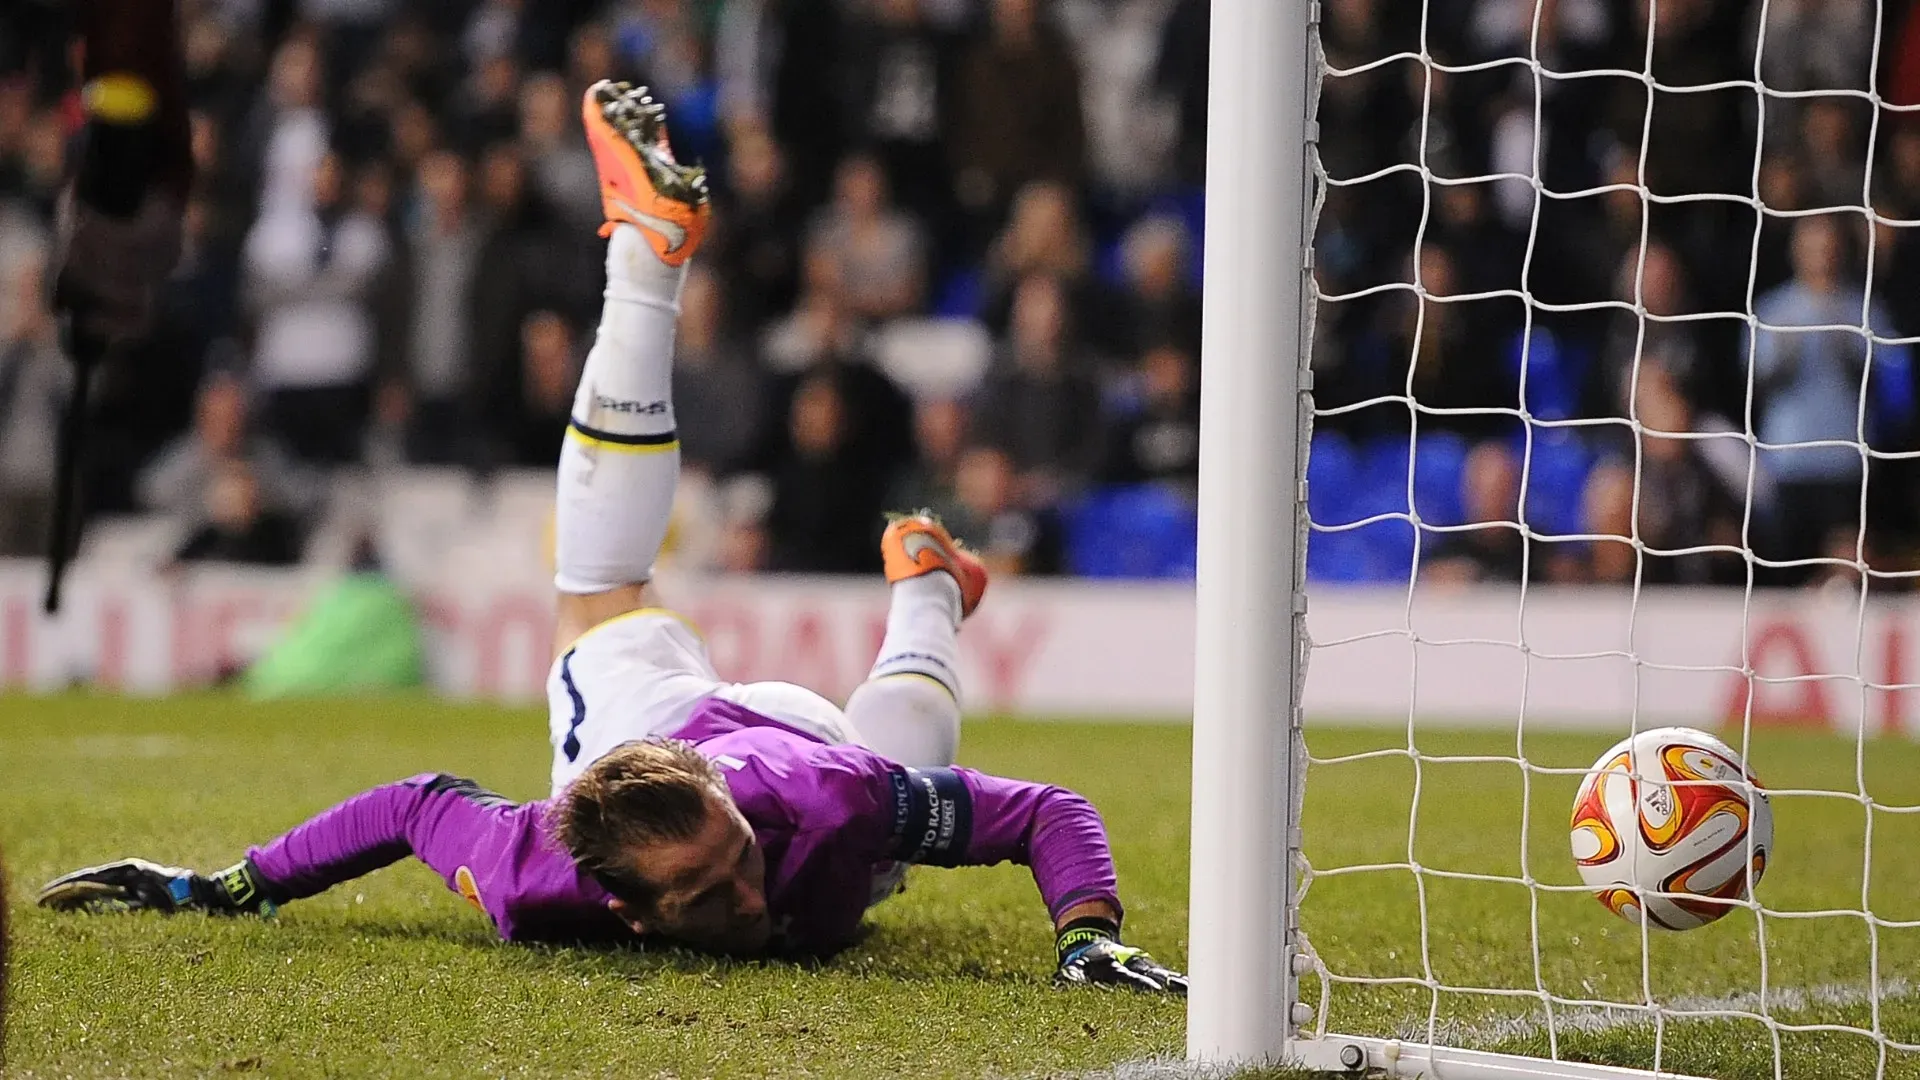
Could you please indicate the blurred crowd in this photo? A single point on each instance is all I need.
(955, 264)
(1674, 225)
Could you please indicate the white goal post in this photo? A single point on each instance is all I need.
(1255, 416)
(1248, 954)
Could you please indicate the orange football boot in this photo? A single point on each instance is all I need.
(916, 544)
(640, 182)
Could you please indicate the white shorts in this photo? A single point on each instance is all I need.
(641, 675)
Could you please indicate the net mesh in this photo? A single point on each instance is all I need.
(1590, 309)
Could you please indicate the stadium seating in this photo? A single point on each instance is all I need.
(960, 295)
(1136, 531)
(1555, 371)
(1556, 481)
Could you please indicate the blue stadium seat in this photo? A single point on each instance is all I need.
(1139, 531)
(1338, 556)
(1389, 547)
(960, 294)
(696, 122)
(1556, 481)
(1109, 266)
(1382, 488)
(1439, 467)
(1333, 476)
(1191, 204)
(1556, 373)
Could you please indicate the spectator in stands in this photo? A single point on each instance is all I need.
(178, 481)
(880, 252)
(754, 246)
(1039, 406)
(492, 30)
(237, 527)
(743, 543)
(33, 390)
(414, 56)
(1012, 537)
(1691, 492)
(1835, 155)
(555, 150)
(373, 193)
(214, 62)
(413, 133)
(836, 423)
(1155, 302)
(311, 277)
(1657, 284)
(38, 164)
(719, 394)
(1044, 235)
(899, 66)
(1896, 262)
(826, 510)
(1157, 440)
(283, 139)
(1784, 186)
(1696, 141)
(1451, 354)
(1181, 73)
(1017, 111)
(1810, 384)
(591, 57)
(820, 329)
(488, 108)
(433, 292)
(939, 433)
(1491, 548)
(550, 365)
(1846, 549)
(1490, 254)
(662, 38)
(1811, 45)
(529, 262)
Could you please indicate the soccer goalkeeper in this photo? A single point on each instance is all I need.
(740, 818)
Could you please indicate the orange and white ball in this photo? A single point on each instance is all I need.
(1666, 825)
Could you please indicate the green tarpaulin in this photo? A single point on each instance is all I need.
(360, 634)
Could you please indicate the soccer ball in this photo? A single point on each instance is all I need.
(1668, 811)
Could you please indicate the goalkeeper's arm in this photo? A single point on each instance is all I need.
(961, 817)
(490, 850)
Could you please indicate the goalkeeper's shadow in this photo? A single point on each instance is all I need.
(922, 953)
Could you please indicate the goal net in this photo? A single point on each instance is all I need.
(1613, 427)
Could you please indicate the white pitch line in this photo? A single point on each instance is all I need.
(1596, 1019)
(1585, 1021)
(1162, 1068)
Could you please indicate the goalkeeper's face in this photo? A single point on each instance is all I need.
(711, 887)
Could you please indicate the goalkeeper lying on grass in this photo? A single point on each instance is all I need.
(742, 835)
(739, 818)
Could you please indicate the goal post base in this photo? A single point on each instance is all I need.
(1379, 1059)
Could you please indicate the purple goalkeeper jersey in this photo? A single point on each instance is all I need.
(827, 818)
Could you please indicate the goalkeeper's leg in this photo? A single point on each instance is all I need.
(621, 458)
(909, 707)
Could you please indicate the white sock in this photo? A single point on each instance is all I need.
(909, 707)
(621, 458)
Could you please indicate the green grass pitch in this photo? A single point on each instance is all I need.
(393, 975)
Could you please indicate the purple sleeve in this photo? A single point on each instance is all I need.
(490, 850)
(359, 836)
(1052, 830)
